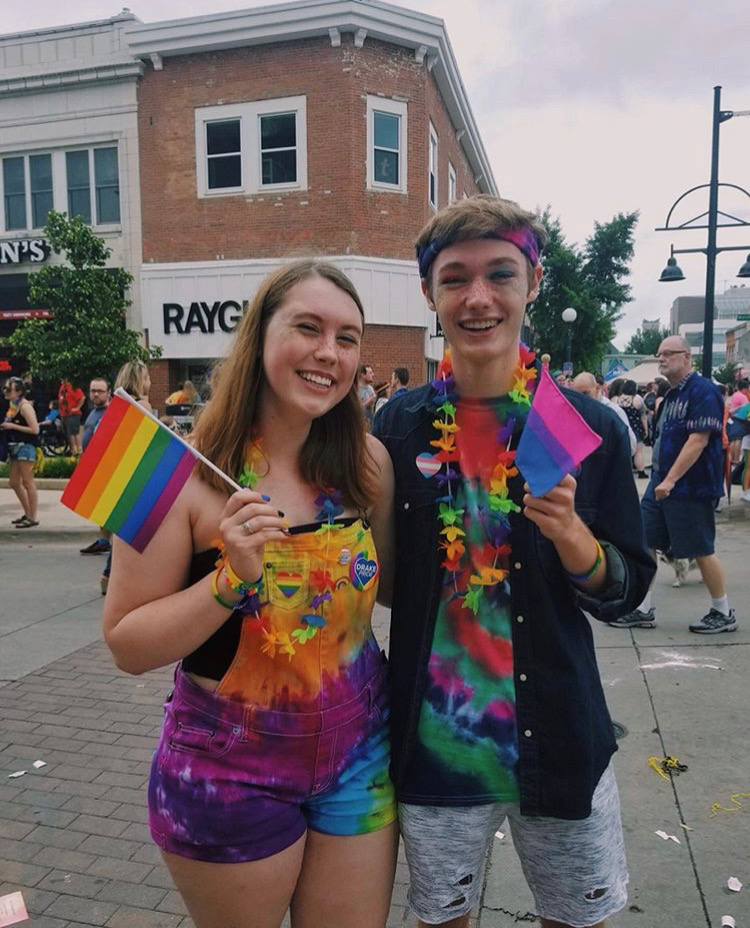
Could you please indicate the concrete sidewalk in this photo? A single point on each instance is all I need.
(73, 836)
(56, 522)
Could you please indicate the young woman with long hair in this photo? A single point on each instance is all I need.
(135, 380)
(275, 748)
(22, 435)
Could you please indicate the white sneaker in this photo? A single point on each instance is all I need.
(745, 497)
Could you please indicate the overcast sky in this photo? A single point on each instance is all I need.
(591, 106)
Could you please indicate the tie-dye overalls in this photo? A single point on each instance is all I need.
(296, 734)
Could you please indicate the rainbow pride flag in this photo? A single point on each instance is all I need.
(130, 473)
(555, 439)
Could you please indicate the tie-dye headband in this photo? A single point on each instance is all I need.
(524, 239)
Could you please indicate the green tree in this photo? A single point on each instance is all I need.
(646, 341)
(87, 335)
(727, 373)
(592, 280)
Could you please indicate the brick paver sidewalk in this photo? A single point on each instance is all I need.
(73, 834)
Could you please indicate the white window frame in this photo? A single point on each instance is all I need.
(92, 181)
(249, 115)
(223, 190)
(60, 184)
(397, 108)
(452, 184)
(432, 168)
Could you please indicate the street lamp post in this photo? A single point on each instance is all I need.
(672, 272)
(569, 316)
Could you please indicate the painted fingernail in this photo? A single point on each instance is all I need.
(287, 523)
(265, 498)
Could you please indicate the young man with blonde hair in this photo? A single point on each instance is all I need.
(497, 706)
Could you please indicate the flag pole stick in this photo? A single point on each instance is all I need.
(126, 396)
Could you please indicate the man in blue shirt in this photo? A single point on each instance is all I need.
(399, 381)
(686, 481)
(100, 396)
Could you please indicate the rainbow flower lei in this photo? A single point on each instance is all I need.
(487, 564)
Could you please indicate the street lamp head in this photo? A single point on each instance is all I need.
(744, 271)
(671, 272)
(569, 315)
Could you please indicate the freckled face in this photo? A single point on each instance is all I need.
(311, 349)
(480, 290)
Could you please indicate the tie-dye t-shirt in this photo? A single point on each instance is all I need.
(467, 727)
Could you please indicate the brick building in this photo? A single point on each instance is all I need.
(321, 127)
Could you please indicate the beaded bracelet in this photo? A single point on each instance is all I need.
(217, 595)
(584, 578)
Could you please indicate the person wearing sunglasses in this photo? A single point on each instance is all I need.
(22, 435)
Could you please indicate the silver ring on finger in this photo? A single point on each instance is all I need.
(247, 528)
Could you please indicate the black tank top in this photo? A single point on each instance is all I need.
(23, 438)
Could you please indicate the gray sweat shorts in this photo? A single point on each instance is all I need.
(576, 870)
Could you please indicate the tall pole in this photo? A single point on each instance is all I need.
(713, 208)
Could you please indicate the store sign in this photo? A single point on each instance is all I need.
(203, 317)
(19, 314)
(19, 250)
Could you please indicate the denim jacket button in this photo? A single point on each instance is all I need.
(519, 618)
(517, 565)
(522, 677)
(527, 733)
(406, 505)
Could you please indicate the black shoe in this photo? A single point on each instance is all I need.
(100, 546)
(635, 619)
(714, 622)
(26, 522)
(18, 521)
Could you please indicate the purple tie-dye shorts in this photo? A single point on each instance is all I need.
(232, 782)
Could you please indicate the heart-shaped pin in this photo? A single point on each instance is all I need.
(363, 571)
(428, 464)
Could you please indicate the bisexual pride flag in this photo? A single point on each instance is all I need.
(555, 438)
(130, 473)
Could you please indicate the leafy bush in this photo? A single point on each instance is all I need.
(54, 468)
(60, 468)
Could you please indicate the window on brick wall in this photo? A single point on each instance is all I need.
(386, 144)
(248, 147)
(278, 148)
(432, 172)
(451, 183)
(223, 154)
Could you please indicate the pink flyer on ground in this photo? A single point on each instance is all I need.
(12, 909)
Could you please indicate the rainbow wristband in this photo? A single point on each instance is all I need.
(236, 583)
(584, 578)
(217, 595)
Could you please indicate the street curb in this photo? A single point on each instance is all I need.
(737, 512)
(42, 483)
(25, 536)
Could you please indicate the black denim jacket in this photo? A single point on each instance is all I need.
(564, 729)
